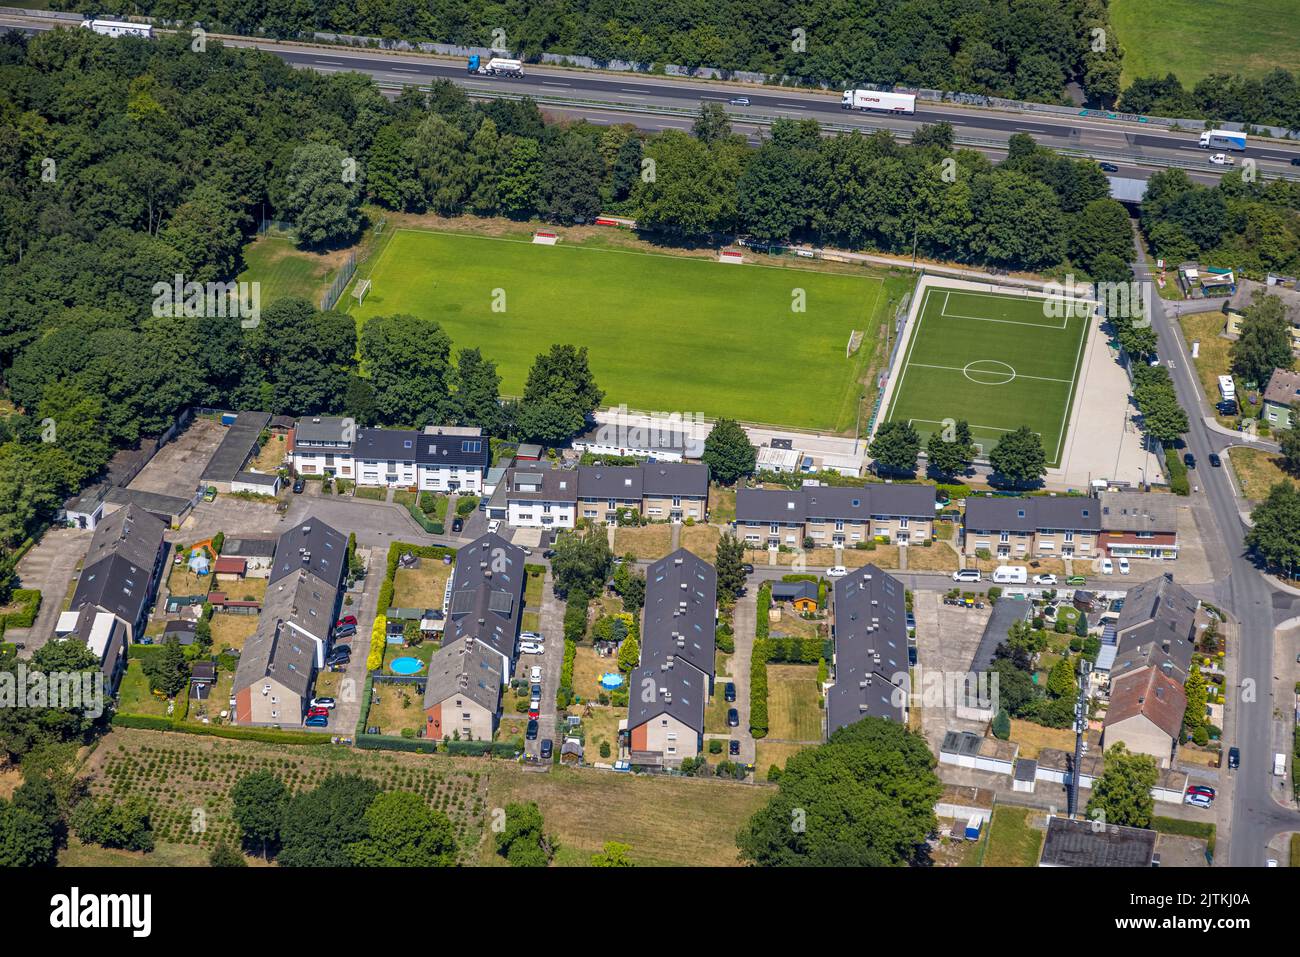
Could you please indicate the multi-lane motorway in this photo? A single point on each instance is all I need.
(656, 102)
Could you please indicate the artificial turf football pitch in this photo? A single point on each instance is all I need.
(996, 361)
(663, 333)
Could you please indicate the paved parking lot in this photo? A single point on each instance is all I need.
(176, 468)
(946, 640)
(51, 567)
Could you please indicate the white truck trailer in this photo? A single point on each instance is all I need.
(1222, 140)
(879, 101)
(119, 28)
(496, 66)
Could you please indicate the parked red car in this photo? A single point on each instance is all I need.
(318, 713)
(346, 620)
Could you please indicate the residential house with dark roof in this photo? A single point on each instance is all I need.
(439, 458)
(870, 669)
(604, 491)
(538, 497)
(277, 669)
(1157, 631)
(670, 690)
(1281, 396)
(104, 633)
(1037, 526)
(123, 567)
(487, 595)
(675, 491)
(835, 516)
(462, 694)
(1138, 525)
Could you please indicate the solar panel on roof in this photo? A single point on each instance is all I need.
(501, 602)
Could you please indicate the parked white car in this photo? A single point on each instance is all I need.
(532, 648)
(836, 571)
(530, 636)
(1107, 567)
(1123, 566)
(494, 526)
(535, 675)
(1044, 579)
(966, 575)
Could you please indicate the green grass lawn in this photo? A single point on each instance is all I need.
(1012, 841)
(1187, 37)
(285, 270)
(663, 332)
(996, 361)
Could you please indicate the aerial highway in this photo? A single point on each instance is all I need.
(658, 102)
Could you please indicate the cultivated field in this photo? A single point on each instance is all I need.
(663, 332)
(1186, 38)
(997, 361)
(187, 779)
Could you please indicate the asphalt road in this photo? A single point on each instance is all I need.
(650, 102)
(1243, 591)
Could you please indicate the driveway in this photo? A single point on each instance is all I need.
(552, 631)
(51, 566)
(744, 620)
(352, 680)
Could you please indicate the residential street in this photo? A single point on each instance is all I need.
(1239, 587)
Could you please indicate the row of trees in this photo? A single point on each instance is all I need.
(1018, 458)
(1270, 100)
(345, 821)
(1028, 49)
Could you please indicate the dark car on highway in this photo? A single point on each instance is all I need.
(1109, 167)
(733, 718)
(1215, 460)
(1189, 460)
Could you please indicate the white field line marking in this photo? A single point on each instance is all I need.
(1074, 385)
(1015, 375)
(973, 425)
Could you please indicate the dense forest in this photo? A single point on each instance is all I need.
(1026, 49)
(1251, 226)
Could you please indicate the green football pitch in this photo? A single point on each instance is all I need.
(997, 361)
(663, 333)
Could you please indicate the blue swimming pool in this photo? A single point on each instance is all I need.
(611, 680)
(406, 666)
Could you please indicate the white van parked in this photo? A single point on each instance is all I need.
(966, 575)
(1010, 575)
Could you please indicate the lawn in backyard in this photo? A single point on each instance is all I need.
(662, 332)
(792, 703)
(1186, 37)
(996, 361)
(1012, 840)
